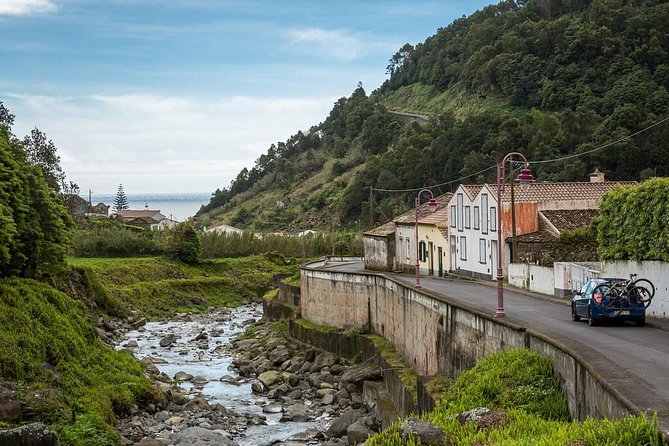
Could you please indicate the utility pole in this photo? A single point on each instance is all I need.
(371, 208)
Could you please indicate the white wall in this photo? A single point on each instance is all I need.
(656, 272)
(405, 259)
(538, 279)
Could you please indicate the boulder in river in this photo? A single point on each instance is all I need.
(270, 377)
(183, 376)
(168, 340)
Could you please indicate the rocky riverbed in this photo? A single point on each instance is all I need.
(260, 389)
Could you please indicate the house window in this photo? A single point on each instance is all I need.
(477, 217)
(463, 248)
(408, 249)
(493, 219)
(484, 213)
(459, 212)
(482, 256)
(452, 216)
(468, 217)
(422, 251)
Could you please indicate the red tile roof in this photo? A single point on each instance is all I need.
(423, 211)
(534, 237)
(440, 216)
(472, 189)
(138, 213)
(383, 230)
(537, 192)
(569, 219)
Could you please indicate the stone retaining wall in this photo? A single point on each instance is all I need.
(435, 335)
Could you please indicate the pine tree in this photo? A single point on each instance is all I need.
(121, 201)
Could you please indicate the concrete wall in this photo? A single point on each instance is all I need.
(539, 279)
(656, 272)
(379, 252)
(437, 336)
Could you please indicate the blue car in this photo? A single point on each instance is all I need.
(589, 306)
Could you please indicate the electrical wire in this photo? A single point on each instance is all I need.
(574, 155)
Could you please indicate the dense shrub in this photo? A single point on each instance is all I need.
(235, 245)
(183, 243)
(632, 224)
(112, 239)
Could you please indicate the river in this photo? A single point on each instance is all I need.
(211, 359)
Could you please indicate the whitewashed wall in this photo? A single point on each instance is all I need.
(538, 279)
(656, 272)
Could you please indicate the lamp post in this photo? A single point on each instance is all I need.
(432, 206)
(525, 177)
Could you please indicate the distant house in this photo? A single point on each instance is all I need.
(99, 209)
(224, 229)
(392, 246)
(145, 218)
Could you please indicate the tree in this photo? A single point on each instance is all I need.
(121, 201)
(6, 118)
(183, 243)
(34, 224)
(43, 153)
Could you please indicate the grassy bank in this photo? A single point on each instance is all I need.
(50, 353)
(160, 287)
(522, 384)
(64, 374)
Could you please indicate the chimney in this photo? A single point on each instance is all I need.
(597, 176)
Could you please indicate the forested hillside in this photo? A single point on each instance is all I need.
(548, 78)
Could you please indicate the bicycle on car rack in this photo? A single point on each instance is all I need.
(622, 296)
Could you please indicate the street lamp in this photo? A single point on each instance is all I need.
(525, 177)
(432, 206)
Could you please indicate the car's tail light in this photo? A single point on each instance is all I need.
(598, 298)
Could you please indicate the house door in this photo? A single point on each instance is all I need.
(431, 249)
(441, 262)
(493, 259)
(453, 254)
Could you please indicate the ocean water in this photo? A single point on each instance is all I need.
(177, 206)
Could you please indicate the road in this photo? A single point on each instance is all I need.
(633, 360)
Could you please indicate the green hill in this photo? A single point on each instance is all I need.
(547, 78)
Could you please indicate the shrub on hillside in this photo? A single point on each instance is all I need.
(183, 243)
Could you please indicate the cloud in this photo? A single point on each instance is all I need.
(340, 44)
(158, 143)
(26, 7)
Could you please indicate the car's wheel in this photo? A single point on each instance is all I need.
(640, 322)
(574, 316)
(591, 320)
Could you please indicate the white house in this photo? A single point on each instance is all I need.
(473, 217)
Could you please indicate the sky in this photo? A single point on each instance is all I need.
(170, 96)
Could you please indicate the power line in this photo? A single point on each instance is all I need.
(575, 155)
(624, 138)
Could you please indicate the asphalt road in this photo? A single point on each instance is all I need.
(633, 360)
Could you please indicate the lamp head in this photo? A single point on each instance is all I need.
(432, 205)
(525, 177)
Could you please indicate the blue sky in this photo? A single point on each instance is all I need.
(178, 96)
